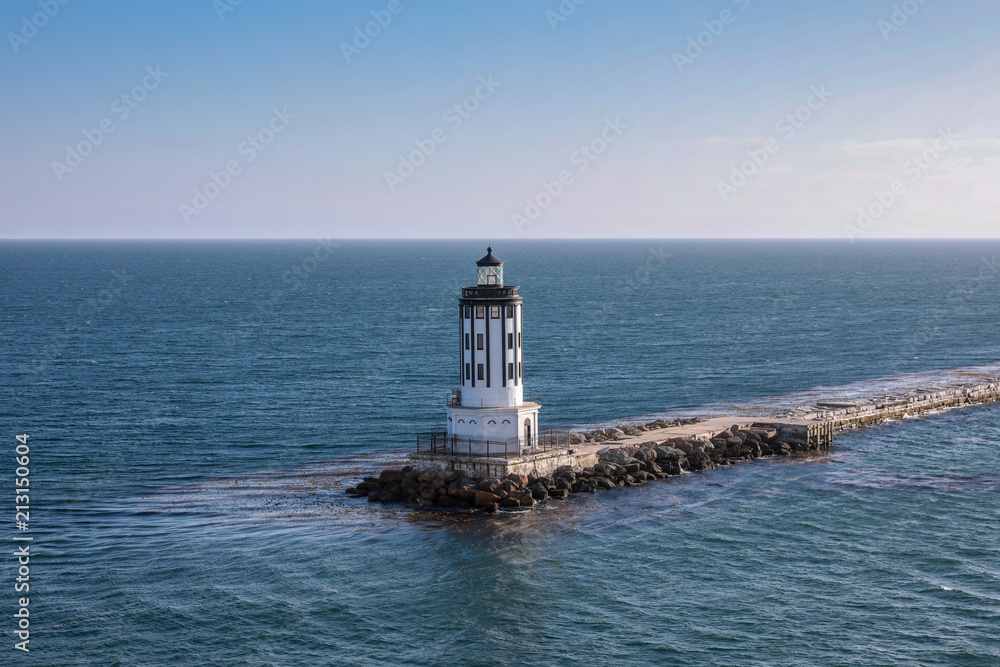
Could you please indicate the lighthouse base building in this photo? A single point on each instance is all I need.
(493, 431)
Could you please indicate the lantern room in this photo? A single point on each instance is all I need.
(490, 270)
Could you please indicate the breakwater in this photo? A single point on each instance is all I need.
(636, 453)
(626, 465)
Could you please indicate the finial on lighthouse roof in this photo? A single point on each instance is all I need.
(490, 259)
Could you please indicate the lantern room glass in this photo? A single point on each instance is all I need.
(491, 275)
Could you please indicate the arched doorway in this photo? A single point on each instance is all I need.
(527, 433)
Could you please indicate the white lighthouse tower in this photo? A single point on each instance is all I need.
(487, 414)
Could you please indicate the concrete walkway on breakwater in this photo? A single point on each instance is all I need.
(827, 417)
(809, 424)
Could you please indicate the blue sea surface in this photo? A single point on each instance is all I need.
(196, 409)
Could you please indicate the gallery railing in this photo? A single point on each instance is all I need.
(442, 443)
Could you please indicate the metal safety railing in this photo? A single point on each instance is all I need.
(440, 442)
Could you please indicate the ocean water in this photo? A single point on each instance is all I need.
(195, 411)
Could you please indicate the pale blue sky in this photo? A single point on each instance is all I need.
(666, 133)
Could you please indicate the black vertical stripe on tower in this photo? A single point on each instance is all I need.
(517, 376)
(473, 348)
(461, 344)
(503, 344)
(487, 310)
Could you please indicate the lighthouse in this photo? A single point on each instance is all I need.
(487, 413)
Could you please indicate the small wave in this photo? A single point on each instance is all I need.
(880, 478)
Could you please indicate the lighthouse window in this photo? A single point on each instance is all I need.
(510, 311)
(466, 341)
(468, 371)
(494, 312)
(480, 312)
(479, 342)
(480, 372)
(510, 341)
(519, 369)
(510, 371)
(468, 311)
(519, 339)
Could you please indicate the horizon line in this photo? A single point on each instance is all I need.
(539, 238)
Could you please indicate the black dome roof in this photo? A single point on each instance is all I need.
(490, 259)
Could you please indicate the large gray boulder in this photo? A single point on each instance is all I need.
(604, 483)
(566, 473)
(616, 456)
(538, 491)
(490, 485)
(668, 454)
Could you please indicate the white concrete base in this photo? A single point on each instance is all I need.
(478, 431)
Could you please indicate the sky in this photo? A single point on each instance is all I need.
(499, 119)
